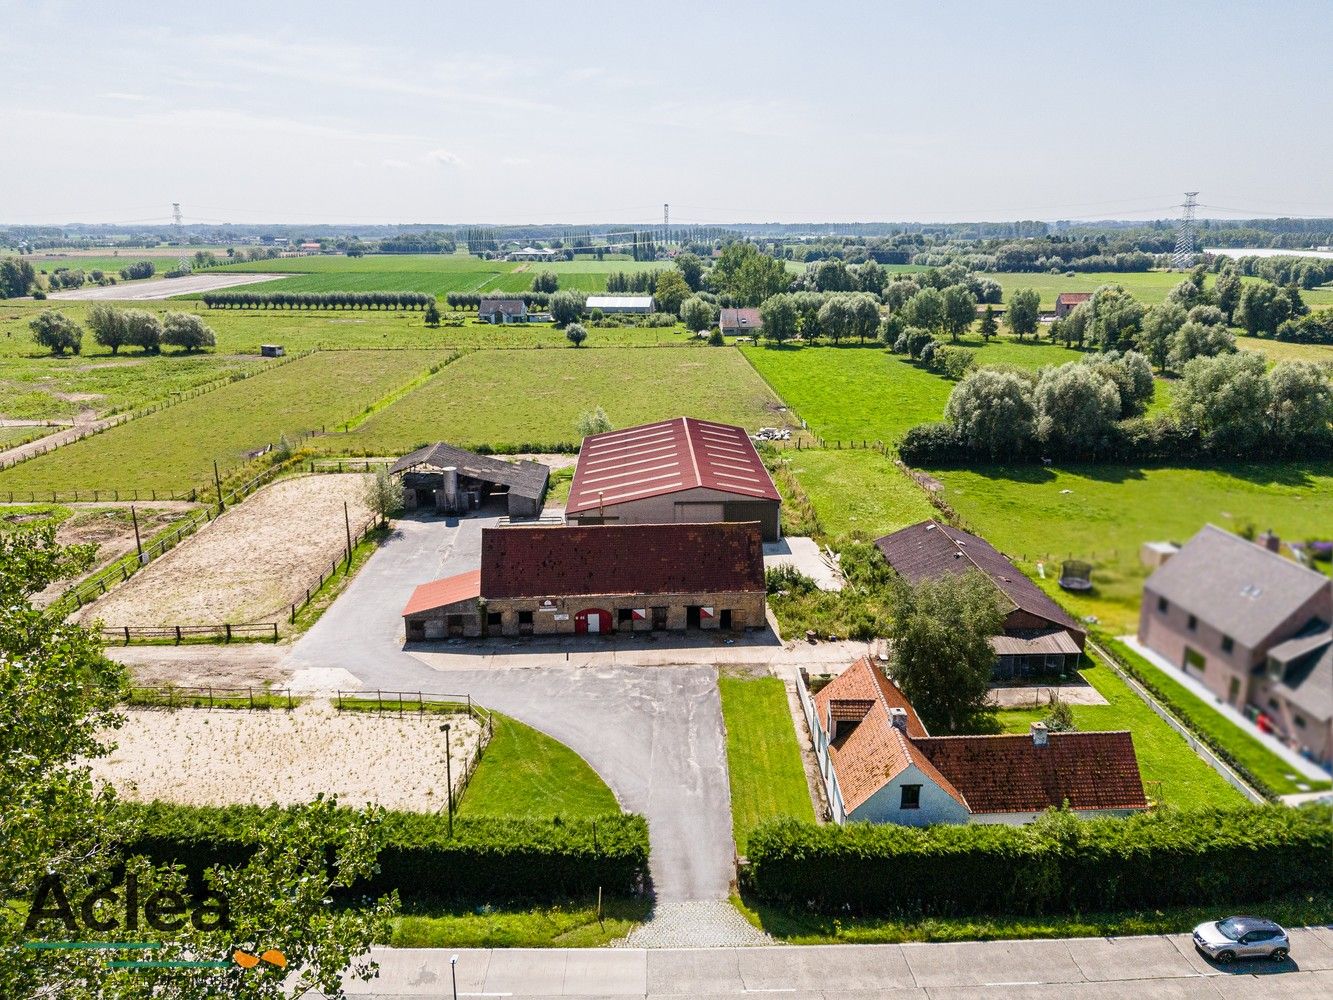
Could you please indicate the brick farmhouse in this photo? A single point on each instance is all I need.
(880, 765)
(599, 579)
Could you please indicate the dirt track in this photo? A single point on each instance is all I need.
(163, 288)
(246, 566)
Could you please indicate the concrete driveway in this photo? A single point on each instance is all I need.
(654, 734)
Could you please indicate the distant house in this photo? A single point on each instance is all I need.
(880, 765)
(500, 310)
(1040, 638)
(310, 248)
(1066, 302)
(1254, 628)
(620, 303)
(741, 322)
(534, 253)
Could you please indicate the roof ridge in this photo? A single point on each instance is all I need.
(1024, 736)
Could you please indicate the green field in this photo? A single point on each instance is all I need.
(763, 759)
(1149, 287)
(858, 492)
(1104, 513)
(508, 398)
(1278, 350)
(1172, 773)
(855, 393)
(526, 773)
(174, 448)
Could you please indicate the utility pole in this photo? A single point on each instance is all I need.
(1184, 255)
(217, 479)
(449, 775)
(137, 543)
(347, 523)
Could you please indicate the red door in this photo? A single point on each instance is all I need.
(593, 621)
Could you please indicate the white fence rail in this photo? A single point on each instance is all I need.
(837, 811)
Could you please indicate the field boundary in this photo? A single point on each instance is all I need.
(165, 696)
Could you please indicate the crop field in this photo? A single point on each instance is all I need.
(1104, 513)
(174, 448)
(508, 398)
(247, 565)
(858, 492)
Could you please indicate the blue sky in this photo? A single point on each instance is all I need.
(733, 111)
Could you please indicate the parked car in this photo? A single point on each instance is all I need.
(1242, 937)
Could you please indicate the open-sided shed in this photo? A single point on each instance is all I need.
(455, 481)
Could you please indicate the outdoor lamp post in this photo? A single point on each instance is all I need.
(449, 776)
(453, 974)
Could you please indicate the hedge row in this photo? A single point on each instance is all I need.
(316, 300)
(1058, 864)
(1137, 441)
(494, 860)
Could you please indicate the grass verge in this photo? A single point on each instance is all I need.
(763, 759)
(573, 924)
(809, 928)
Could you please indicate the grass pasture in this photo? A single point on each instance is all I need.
(858, 492)
(1104, 513)
(508, 398)
(174, 448)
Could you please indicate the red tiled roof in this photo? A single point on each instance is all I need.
(1010, 774)
(864, 681)
(741, 319)
(929, 549)
(1070, 298)
(621, 559)
(667, 457)
(439, 593)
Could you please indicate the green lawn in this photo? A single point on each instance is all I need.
(174, 448)
(763, 759)
(526, 773)
(1172, 773)
(858, 492)
(1278, 350)
(1203, 718)
(571, 925)
(1105, 513)
(508, 398)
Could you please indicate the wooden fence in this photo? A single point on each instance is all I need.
(324, 576)
(177, 634)
(171, 696)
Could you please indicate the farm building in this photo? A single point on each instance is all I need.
(454, 481)
(534, 253)
(681, 470)
(1254, 628)
(1039, 636)
(577, 580)
(500, 310)
(1067, 302)
(880, 765)
(740, 322)
(620, 303)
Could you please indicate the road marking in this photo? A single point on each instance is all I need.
(771, 989)
(1017, 982)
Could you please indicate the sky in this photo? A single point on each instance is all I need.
(590, 112)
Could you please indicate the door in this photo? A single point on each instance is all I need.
(1233, 691)
(593, 621)
(434, 628)
(725, 618)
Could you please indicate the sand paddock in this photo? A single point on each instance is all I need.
(249, 564)
(197, 757)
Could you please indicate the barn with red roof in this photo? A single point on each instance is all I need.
(675, 471)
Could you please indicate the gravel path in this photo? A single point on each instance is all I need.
(162, 288)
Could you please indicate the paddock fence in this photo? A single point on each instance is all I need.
(181, 634)
(173, 696)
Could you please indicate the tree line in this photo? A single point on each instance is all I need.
(116, 328)
(317, 300)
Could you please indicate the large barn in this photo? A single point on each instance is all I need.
(572, 580)
(453, 481)
(676, 471)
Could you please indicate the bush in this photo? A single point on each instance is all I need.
(56, 332)
(141, 269)
(715, 339)
(1058, 864)
(933, 444)
(487, 859)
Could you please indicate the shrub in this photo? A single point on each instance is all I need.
(187, 331)
(141, 269)
(1058, 864)
(715, 339)
(486, 859)
(56, 332)
(576, 334)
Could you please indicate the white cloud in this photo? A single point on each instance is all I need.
(444, 158)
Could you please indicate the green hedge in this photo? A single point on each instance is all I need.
(487, 859)
(1057, 865)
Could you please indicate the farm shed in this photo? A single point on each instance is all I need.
(1067, 302)
(455, 481)
(591, 580)
(736, 322)
(681, 470)
(502, 311)
(620, 303)
(271, 350)
(1039, 636)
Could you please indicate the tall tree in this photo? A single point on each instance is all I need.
(384, 494)
(671, 291)
(992, 412)
(56, 332)
(691, 268)
(778, 313)
(1159, 327)
(988, 327)
(960, 310)
(1301, 404)
(1076, 408)
(1023, 312)
(941, 652)
(926, 310)
(1115, 318)
(1227, 399)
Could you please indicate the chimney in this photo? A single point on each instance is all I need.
(1270, 541)
(1039, 735)
(898, 718)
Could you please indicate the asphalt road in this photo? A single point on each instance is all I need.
(1130, 968)
(654, 734)
(163, 288)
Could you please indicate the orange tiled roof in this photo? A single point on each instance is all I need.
(439, 593)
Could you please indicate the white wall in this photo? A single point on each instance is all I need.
(937, 805)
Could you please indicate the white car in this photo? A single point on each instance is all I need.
(1242, 937)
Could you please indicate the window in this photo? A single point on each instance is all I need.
(1193, 623)
(494, 618)
(1162, 605)
(1299, 720)
(1227, 644)
(525, 617)
(625, 616)
(911, 797)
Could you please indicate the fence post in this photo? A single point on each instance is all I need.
(275, 631)
(127, 635)
(227, 626)
(178, 635)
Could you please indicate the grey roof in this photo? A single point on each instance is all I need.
(1236, 586)
(508, 307)
(1307, 671)
(929, 549)
(524, 478)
